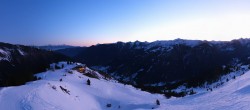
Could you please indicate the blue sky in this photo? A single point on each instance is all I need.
(88, 22)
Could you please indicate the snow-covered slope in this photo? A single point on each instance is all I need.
(4, 55)
(232, 95)
(48, 94)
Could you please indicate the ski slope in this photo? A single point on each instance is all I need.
(46, 94)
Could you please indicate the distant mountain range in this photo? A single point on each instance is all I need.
(166, 63)
(71, 52)
(56, 47)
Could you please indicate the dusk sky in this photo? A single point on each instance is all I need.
(88, 22)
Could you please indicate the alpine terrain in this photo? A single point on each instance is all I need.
(75, 86)
(164, 65)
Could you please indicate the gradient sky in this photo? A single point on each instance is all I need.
(88, 22)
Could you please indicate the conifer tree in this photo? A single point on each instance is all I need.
(88, 82)
(158, 102)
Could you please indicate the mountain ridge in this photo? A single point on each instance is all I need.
(184, 61)
(18, 63)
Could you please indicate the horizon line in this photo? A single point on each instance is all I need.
(65, 44)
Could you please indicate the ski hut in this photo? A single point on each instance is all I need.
(80, 68)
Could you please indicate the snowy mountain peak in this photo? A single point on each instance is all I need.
(169, 43)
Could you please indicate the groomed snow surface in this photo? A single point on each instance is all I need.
(46, 94)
